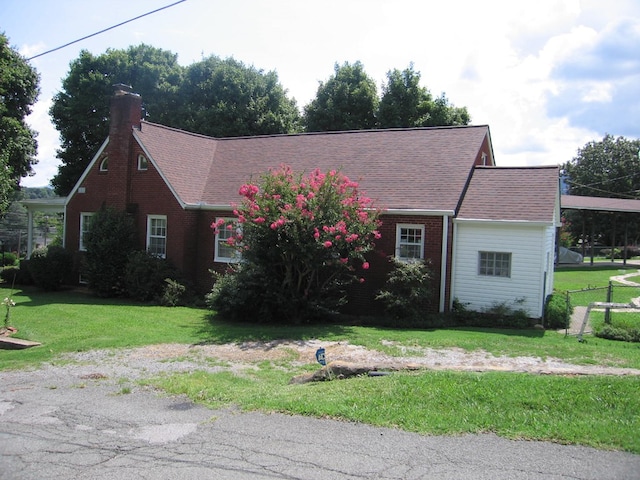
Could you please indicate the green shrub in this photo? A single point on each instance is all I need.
(557, 313)
(50, 267)
(498, 315)
(110, 239)
(616, 333)
(9, 274)
(173, 293)
(407, 292)
(243, 295)
(145, 275)
(8, 259)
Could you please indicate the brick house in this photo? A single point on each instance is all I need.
(433, 184)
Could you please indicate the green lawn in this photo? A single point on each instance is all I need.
(598, 411)
(577, 278)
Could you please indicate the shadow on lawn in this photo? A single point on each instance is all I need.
(218, 331)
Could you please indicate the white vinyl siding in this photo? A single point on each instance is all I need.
(528, 247)
(157, 235)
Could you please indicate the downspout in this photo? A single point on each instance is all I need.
(443, 263)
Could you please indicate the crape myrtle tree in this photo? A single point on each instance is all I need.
(606, 168)
(302, 240)
(18, 92)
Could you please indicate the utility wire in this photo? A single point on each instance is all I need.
(105, 30)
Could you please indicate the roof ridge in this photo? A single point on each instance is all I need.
(331, 132)
(514, 167)
(177, 130)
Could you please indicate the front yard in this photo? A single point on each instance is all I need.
(597, 410)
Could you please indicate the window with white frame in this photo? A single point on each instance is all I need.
(85, 223)
(157, 235)
(104, 164)
(143, 163)
(409, 242)
(494, 264)
(223, 251)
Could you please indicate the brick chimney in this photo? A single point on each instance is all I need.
(125, 113)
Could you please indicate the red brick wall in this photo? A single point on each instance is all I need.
(362, 295)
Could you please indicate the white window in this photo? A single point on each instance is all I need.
(85, 222)
(157, 235)
(143, 163)
(409, 242)
(104, 164)
(223, 251)
(494, 264)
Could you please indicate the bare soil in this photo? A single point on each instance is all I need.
(179, 357)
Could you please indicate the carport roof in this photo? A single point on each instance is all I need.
(600, 204)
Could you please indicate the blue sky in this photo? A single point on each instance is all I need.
(546, 76)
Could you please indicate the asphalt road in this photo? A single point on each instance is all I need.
(55, 424)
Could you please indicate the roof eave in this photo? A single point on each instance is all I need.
(488, 222)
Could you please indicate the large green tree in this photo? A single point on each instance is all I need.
(348, 100)
(405, 103)
(606, 168)
(18, 92)
(212, 97)
(226, 98)
(80, 111)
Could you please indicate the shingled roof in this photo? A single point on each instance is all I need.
(512, 194)
(419, 168)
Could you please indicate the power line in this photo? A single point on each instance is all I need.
(105, 30)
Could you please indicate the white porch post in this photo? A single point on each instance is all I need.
(29, 233)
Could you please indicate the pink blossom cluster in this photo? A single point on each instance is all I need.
(321, 214)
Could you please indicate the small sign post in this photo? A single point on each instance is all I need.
(320, 356)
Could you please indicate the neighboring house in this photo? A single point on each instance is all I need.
(433, 185)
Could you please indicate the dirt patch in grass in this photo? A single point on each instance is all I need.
(238, 355)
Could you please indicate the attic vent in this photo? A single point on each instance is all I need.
(104, 164)
(484, 159)
(143, 163)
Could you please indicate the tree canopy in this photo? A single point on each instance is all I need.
(80, 111)
(19, 89)
(225, 98)
(212, 97)
(348, 100)
(405, 103)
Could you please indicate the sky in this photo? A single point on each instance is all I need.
(547, 76)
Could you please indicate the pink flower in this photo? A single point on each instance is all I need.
(327, 244)
(316, 233)
(365, 265)
(361, 280)
(344, 260)
(259, 220)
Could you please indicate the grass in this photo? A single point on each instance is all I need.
(601, 412)
(597, 411)
(577, 278)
